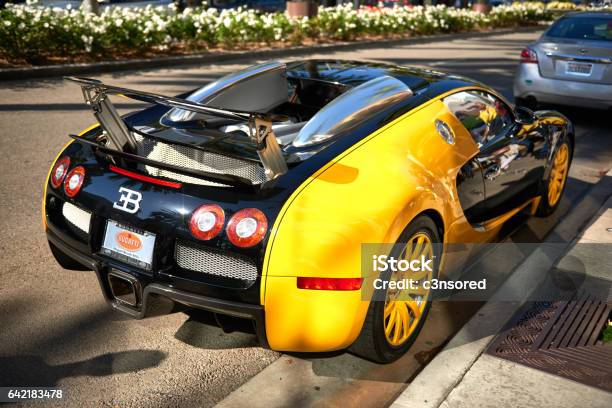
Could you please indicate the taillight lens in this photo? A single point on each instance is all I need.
(74, 181)
(247, 227)
(329, 283)
(207, 221)
(529, 56)
(59, 171)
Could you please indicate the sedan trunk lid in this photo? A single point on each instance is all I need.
(573, 60)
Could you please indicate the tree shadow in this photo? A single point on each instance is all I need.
(34, 371)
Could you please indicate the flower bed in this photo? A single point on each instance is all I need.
(31, 34)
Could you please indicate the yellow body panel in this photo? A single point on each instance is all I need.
(369, 194)
(311, 320)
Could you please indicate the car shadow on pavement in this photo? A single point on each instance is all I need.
(34, 371)
(206, 331)
(445, 318)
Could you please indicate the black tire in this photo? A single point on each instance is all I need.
(545, 208)
(65, 261)
(372, 343)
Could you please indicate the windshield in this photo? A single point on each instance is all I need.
(583, 28)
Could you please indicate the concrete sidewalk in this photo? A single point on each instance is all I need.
(462, 375)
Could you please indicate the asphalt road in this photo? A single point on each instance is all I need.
(55, 328)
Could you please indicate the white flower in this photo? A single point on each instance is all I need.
(249, 25)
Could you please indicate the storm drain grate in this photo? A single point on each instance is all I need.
(561, 338)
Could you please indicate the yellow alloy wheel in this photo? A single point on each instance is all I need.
(558, 174)
(404, 308)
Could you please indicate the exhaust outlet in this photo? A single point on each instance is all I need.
(124, 288)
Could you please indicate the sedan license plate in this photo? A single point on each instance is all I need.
(128, 245)
(578, 68)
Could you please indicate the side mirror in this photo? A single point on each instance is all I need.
(524, 116)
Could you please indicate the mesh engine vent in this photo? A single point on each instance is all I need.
(195, 159)
(214, 262)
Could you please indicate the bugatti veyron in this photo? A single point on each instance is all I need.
(253, 195)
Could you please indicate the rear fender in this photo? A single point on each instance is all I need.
(356, 199)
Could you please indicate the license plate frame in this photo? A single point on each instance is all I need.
(579, 68)
(128, 244)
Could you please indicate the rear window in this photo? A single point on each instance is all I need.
(583, 28)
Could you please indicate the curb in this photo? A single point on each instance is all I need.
(437, 380)
(209, 58)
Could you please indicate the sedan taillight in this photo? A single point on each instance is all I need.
(74, 181)
(247, 227)
(529, 56)
(59, 171)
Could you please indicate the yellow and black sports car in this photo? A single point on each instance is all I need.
(252, 196)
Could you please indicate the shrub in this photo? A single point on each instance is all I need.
(34, 34)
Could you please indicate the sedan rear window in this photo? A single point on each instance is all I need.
(583, 28)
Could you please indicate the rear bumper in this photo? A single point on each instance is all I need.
(293, 320)
(529, 83)
(154, 294)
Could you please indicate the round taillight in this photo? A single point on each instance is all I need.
(74, 181)
(247, 227)
(207, 221)
(59, 171)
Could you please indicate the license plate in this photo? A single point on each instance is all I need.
(129, 245)
(579, 68)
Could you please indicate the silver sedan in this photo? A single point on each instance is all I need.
(571, 63)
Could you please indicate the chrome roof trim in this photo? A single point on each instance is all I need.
(351, 107)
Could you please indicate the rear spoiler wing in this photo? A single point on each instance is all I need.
(261, 134)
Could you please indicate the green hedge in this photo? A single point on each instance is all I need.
(34, 34)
